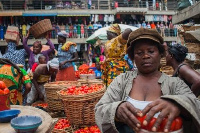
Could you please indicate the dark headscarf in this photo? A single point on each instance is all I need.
(178, 51)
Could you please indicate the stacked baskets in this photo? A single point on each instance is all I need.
(54, 103)
(79, 109)
(193, 45)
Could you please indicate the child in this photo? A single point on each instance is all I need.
(98, 72)
(41, 60)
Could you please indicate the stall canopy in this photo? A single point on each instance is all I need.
(10, 13)
(73, 14)
(39, 14)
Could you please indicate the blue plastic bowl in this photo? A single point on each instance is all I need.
(26, 124)
(7, 115)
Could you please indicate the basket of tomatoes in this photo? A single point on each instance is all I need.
(62, 126)
(54, 103)
(4, 97)
(79, 103)
(92, 129)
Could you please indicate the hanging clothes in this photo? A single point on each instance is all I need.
(70, 20)
(96, 18)
(165, 18)
(118, 16)
(101, 17)
(106, 18)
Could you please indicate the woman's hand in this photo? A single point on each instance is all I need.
(28, 33)
(61, 64)
(47, 35)
(166, 108)
(127, 113)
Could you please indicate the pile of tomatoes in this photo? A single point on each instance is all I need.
(43, 105)
(176, 124)
(92, 129)
(3, 88)
(62, 124)
(84, 89)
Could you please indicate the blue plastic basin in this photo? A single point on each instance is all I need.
(7, 115)
(26, 124)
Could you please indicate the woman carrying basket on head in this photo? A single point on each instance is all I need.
(37, 50)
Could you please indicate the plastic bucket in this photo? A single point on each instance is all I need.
(4, 102)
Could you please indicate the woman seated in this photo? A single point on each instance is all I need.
(146, 92)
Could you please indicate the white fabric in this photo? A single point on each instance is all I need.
(33, 94)
(140, 104)
(54, 63)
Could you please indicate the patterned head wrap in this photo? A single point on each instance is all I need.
(54, 63)
(115, 29)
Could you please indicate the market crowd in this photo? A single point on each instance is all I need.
(144, 91)
(27, 84)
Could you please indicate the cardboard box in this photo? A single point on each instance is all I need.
(12, 34)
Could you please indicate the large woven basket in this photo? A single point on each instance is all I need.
(41, 28)
(79, 109)
(54, 103)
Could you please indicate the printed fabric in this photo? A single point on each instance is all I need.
(16, 56)
(66, 55)
(14, 80)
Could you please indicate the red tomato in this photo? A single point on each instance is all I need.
(151, 124)
(1, 92)
(141, 119)
(162, 125)
(173, 126)
(6, 91)
(179, 123)
(2, 85)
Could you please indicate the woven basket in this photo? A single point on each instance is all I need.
(79, 109)
(54, 103)
(95, 81)
(41, 28)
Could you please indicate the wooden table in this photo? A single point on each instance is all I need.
(45, 127)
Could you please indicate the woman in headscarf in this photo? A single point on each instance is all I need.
(66, 55)
(175, 56)
(114, 51)
(43, 73)
(14, 77)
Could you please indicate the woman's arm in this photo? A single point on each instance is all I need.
(192, 77)
(25, 45)
(75, 56)
(51, 45)
(106, 108)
